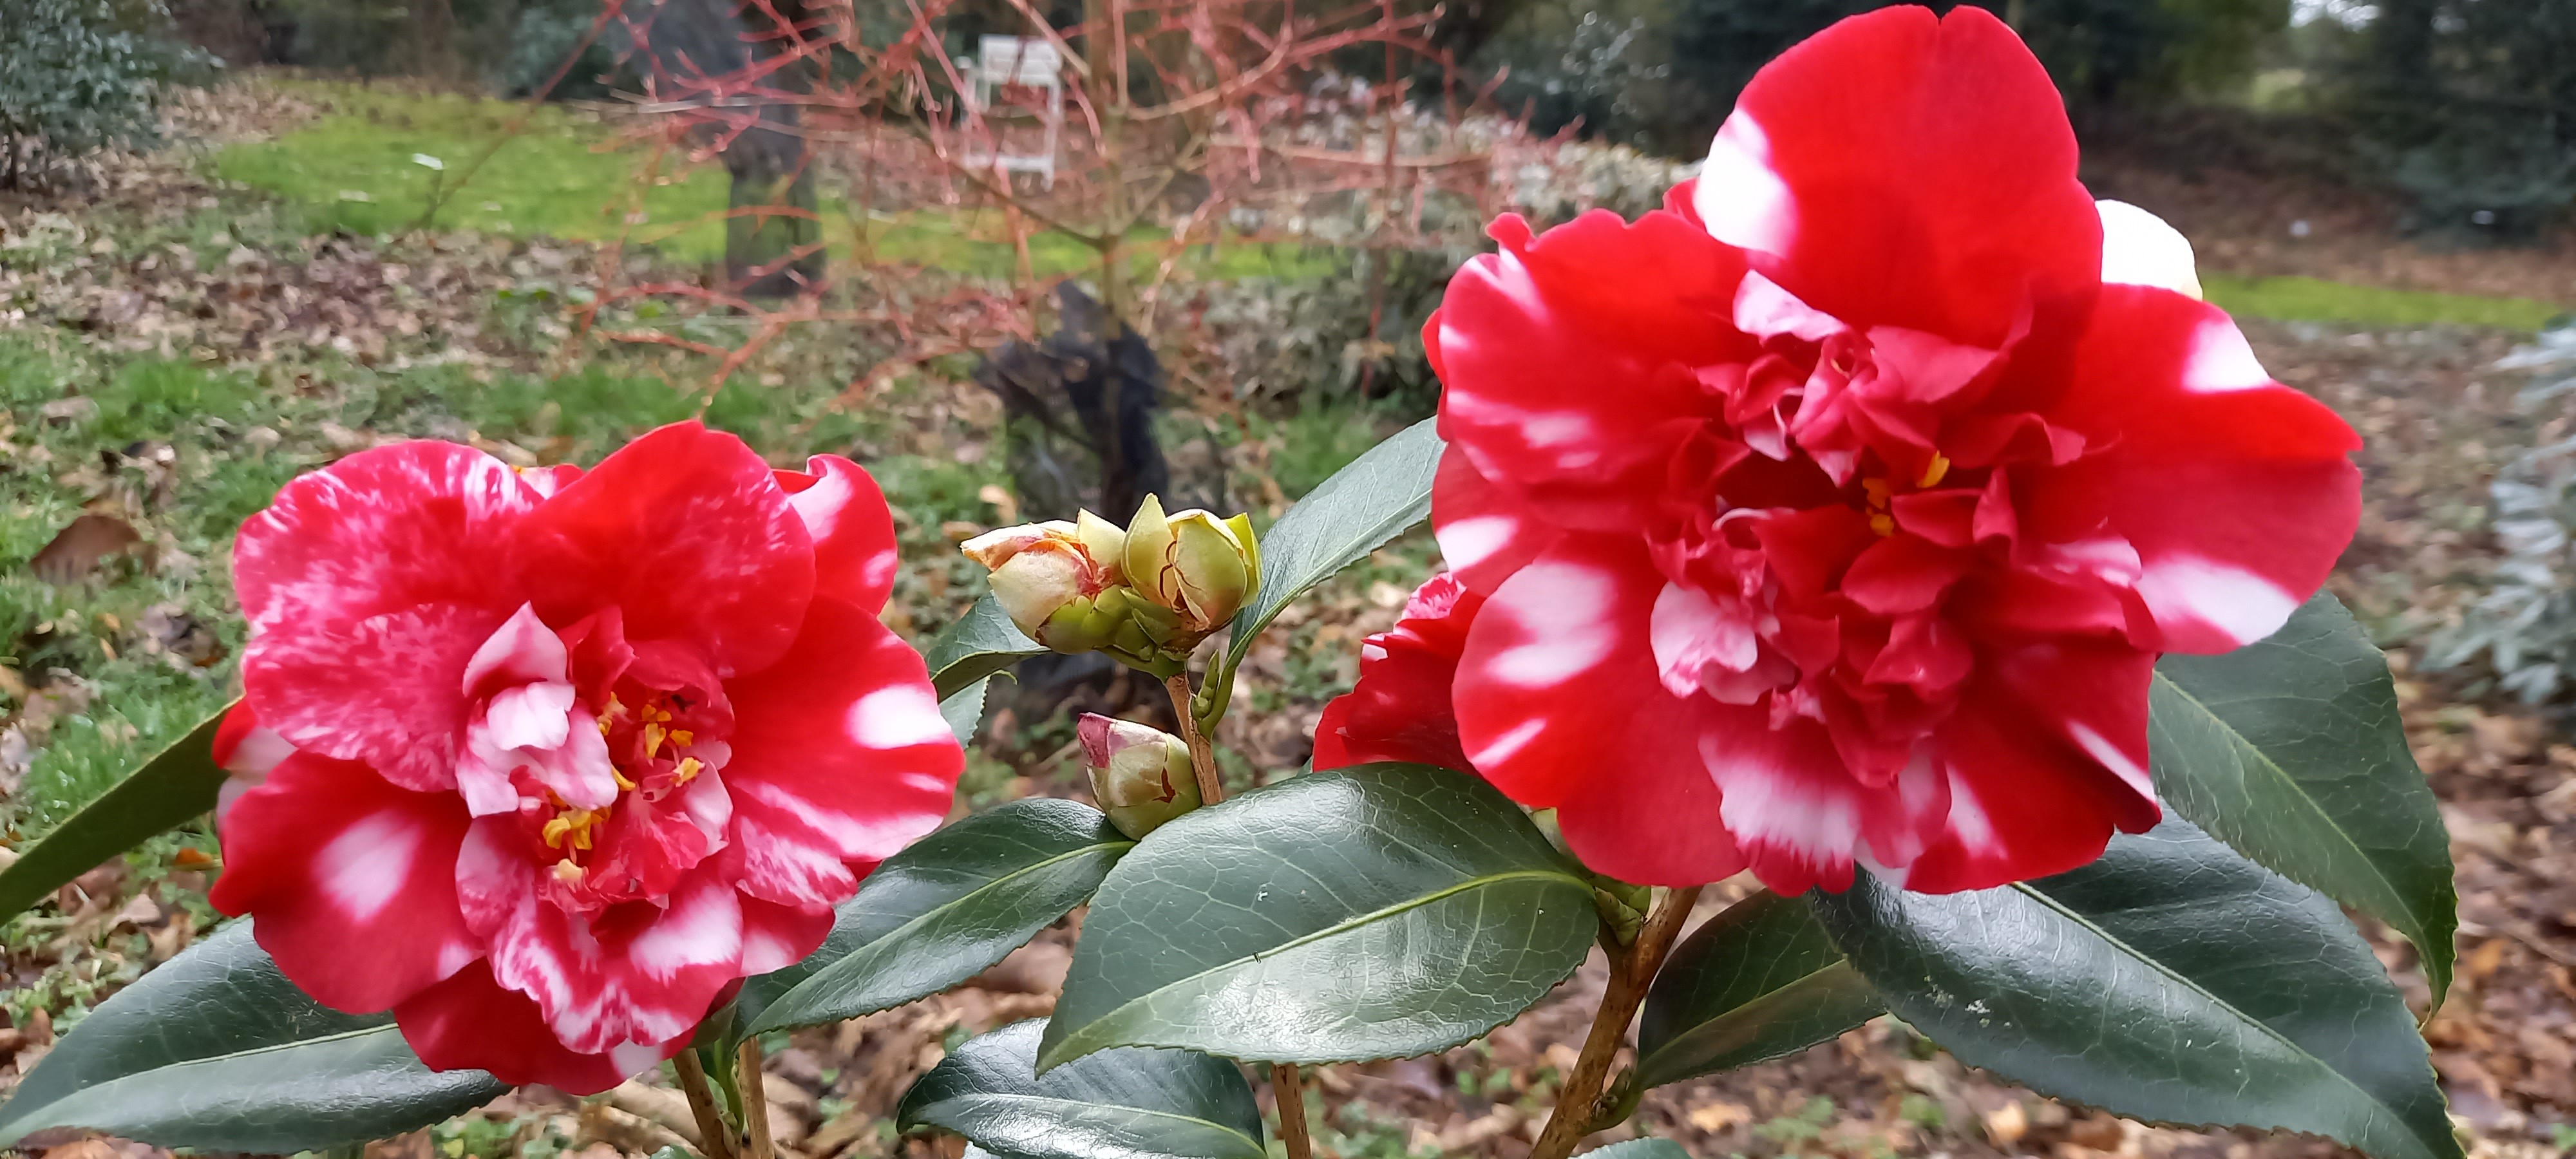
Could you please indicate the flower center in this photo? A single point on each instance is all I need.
(607, 753)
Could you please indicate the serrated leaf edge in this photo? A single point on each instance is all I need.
(2377, 1107)
(2245, 744)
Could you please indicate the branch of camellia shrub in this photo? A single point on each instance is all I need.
(755, 1102)
(1202, 753)
(1584, 1103)
(702, 1104)
(1286, 1084)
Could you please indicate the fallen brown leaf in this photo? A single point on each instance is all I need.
(80, 546)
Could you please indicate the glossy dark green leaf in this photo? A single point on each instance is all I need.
(1647, 1148)
(2290, 750)
(1369, 912)
(1117, 1104)
(1374, 499)
(943, 910)
(964, 710)
(175, 785)
(2171, 981)
(982, 642)
(215, 1049)
(1756, 982)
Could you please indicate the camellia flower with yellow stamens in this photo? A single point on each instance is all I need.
(545, 761)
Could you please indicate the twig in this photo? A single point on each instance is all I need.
(1289, 1087)
(702, 1104)
(1286, 1084)
(1579, 1106)
(755, 1102)
(1202, 755)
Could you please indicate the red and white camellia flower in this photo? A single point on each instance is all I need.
(1835, 514)
(545, 761)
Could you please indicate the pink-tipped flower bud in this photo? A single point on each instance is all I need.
(1041, 570)
(1140, 774)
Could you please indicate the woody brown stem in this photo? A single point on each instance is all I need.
(755, 1103)
(1286, 1084)
(1289, 1087)
(1582, 1104)
(1202, 754)
(714, 1139)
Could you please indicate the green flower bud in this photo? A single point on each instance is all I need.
(1200, 568)
(1140, 775)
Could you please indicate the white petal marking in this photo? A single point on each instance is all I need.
(634, 1058)
(2120, 764)
(1764, 309)
(703, 928)
(897, 716)
(1565, 607)
(2221, 360)
(1968, 820)
(2245, 606)
(259, 751)
(1468, 542)
(2140, 249)
(1743, 201)
(1502, 748)
(363, 869)
(1761, 802)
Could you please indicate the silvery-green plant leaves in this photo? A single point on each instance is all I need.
(2525, 625)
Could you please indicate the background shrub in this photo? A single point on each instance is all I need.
(78, 76)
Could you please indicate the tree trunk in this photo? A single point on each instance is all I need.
(774, 255)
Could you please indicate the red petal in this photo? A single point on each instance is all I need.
(1565, 358)
(1659, 825)
(1400, 709)
(1558, 676)
(1801, 818)
(854, 551)
(1486, 532)
(367, 585)
(2235, 490)
(840, 758)
(634, 975)
(469, 1022)
(1902, 573)
(2046, 755)
(1899, 169)
(687, 532)
(387, 690)
(352, 881)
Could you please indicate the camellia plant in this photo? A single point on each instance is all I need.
(1884, 518)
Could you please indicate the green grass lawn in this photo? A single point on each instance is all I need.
(568, 175)
(2317, 300)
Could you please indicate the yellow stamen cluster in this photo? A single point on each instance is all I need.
(574, 826)
(689, 769)
(1879, 491)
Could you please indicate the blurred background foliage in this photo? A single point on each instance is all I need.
(2467, 108)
